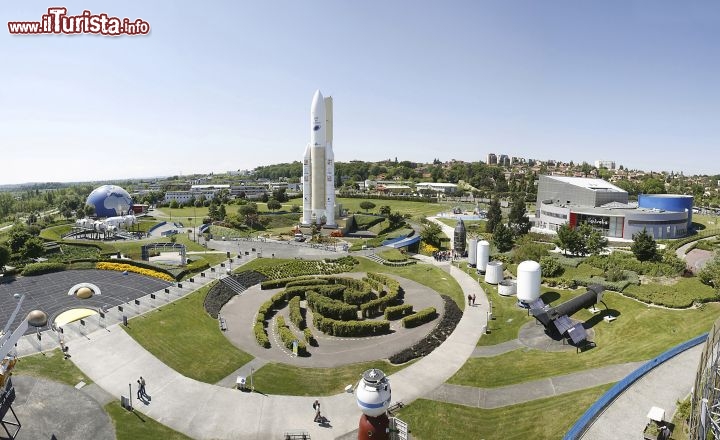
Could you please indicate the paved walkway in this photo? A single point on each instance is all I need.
(112, 359)
(489, 398)
(662, 386)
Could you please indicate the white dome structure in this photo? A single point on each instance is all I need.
(494, 272)
(472, 252)
(483, 255)
(528, 281)
(373, 393)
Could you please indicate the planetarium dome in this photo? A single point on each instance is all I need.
(110, 201)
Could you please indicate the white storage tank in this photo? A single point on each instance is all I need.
(494, 272)
(507, 287)
(472, 252)
(483, 255)
(528, 281)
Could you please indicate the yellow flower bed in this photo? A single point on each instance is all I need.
(130, 268)
(427, 249)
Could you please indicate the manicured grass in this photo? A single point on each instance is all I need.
(131, 425)
(507, 317)
(639, 333)
(393, 255)
(425, 274)
(187, 216)
(415, 209)
(51, 366)
(682, 293)
(55, 233)
(187, 339)
(540, 419)
(284, 379)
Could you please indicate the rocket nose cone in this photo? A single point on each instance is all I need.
(317, 99)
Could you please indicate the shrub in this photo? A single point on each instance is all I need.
(260, 335)
(618, 286)
(331, 308)
(357, 297)
(419, 318)
(614, 274)
(396, 312)
(309, 338)
(551, 267)
(307, 282)
(296, 316)
(288, 337)
(41, 268)
(350, 328)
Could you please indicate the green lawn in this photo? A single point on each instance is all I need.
(639, 333)
(392, 255)
(415, 209)
(543, 419)
(51, 366)
(284, 379)
(187, 339)
(133, 425)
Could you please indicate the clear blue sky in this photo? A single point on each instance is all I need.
(226, 85)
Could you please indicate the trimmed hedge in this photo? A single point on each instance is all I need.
(308, 282)
(309, 338)
(376, 285)
(298, 268)
(260, 335)
(396, 312)
(42, 268)
(350, 328)
(288, 337)
(419, 318)
(282, 282)
(331, 308)
(617, 286)
(296, 316)
(378, 305)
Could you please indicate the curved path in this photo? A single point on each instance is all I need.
(112, 359)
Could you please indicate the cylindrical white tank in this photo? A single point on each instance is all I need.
(507, 287)
(494, 272)
(472, 252)
(483, 255)
(528, 281)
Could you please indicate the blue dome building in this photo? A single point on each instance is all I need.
(110, 201)
(668, 202)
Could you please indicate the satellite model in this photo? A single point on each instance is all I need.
(558, 318)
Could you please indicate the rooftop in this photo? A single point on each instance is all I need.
(588, 183)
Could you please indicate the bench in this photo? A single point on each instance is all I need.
(223, 324)
(296, 435)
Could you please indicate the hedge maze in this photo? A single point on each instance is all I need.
(340, 306)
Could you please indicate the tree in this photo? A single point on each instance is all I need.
(4, 257)
(273, 205)
(644, 246)
(502, 238)
(595, 243)
(527, 249)
(431, 234)
(213, 211)
(294, 208)
(710, 273)
(222, 213)
(494, 215)
(280, 195)
(367, 205)
(518, 222)
(396, 219)
(174, 204)
(567, 239)
(33, 248)
(18, 236)
(385, 210)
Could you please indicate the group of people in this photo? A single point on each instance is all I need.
(443, 255)
(141, 394)
(471, 299)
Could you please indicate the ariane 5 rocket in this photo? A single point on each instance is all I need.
(319, 165)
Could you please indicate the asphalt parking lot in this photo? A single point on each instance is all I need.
(49, 292)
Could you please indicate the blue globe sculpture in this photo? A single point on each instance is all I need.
(110, 201)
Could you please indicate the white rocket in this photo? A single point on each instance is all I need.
(319, 165)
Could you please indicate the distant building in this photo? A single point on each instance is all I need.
(609, 164)
(504, 160)
(576, 200)
(491, 159)
(444, 188)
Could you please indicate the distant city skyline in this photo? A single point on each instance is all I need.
(227, 87)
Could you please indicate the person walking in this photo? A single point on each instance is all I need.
(139, 390)
(469, 299)
(142, 392)
(316, 407)
(473, 299)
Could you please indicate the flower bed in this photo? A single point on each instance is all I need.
(122, 267)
